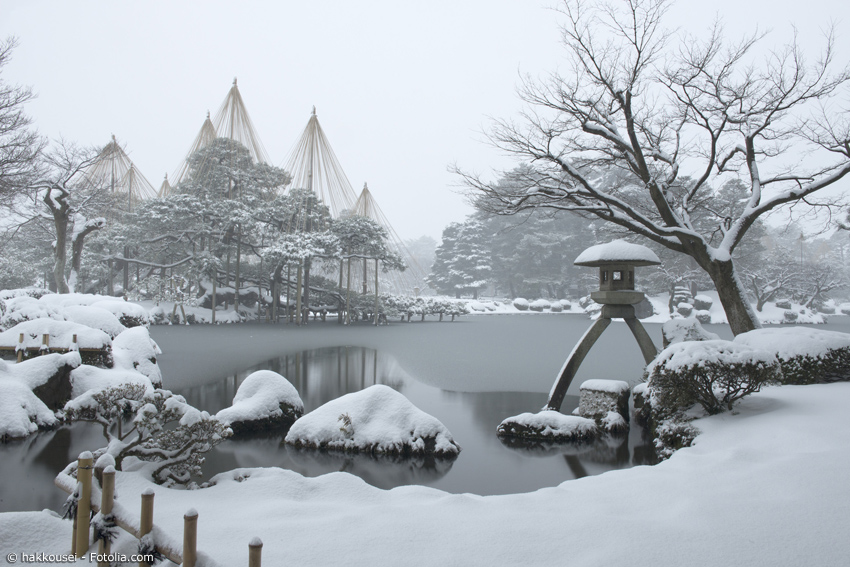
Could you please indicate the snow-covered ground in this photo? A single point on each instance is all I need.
(761, 486)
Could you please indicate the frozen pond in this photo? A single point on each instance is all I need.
(470, 374)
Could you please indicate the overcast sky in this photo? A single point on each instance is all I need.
(403, 90)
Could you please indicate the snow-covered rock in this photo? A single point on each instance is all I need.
(807, 355)
(264, 400)
(549, 425)
(21, 412)
(377, 420)
(599, 398)
(134, 349)
(521, 303)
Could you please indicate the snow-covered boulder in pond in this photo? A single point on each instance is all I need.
(130, 314)
(47, 377)
(265, 400)
(376, 420)
(807, 356)
(521, 303)
(549, 425)
(713, 374)
(680, 330)
(94, 317)
(702, 302)
(95, 346)
(21, 412)
(601, 398)
(134, 349)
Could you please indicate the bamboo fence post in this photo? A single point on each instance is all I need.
(20, 352)
(190, 538)
(84, 470)
(255, 552)
(146, 518)
(107, 498)
(45, 343)
(74, 538)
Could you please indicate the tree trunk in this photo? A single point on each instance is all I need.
(60, 253)
(732, 296)
(77, 252)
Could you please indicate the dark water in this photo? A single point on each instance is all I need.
(470, 375)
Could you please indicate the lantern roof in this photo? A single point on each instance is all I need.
(617, 252)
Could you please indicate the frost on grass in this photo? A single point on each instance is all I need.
(807, 356)
(376, 420)
(549, 425)
(265, 400)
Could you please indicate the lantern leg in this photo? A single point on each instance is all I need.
(568, 371)
(647, 347)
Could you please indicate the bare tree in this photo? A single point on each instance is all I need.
(68, 196)
(611, 137)
(19, 145)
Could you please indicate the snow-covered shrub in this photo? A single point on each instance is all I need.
(703, 316)
(783, 304)
(376, 420)
(713, 374)
(549, 425)
(130, 314)
(672, 435)
(643, 407)
(556, 307)
(265, 400)
(790, 316)
(565, 304)
(644, 309)
(539, 305)
(26, 308)
(680, 330)
(807, 356)
(599, 398)
(685, 309)
(134, 349)
(521, 303)
(167, 439)
(703, 302)
(94, 317)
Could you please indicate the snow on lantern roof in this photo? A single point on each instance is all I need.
(617, 252)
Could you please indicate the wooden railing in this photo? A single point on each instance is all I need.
(100, 497)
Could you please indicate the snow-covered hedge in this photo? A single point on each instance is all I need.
(130, 314)
(549, 425)
(60, 336)
(713, 374)
(539, 305)
(680, 330)
(264, 400)
(807, 356)
(521, 303)
(134, 349)
(376, 420)
(94, 317)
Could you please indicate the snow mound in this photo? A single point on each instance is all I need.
(134, 349)
(377, 420)
(94, 317)
(610, 386)
(617, 251)
(521, 303)
(549, 425)
(26, 308)
(86, 381)
(265, 399)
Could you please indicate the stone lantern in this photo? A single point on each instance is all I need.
(616, 261)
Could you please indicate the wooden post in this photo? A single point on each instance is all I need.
(376, 292)
(74, 538)
(299, 277)
(146, 518)
(84, 470)
(20, 352)
(190, 538)
(74, 345)
(107, 498)
(255, 552)
(45, 343)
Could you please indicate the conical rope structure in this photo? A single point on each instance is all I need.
(114, 170)
(397, 282)
(204, 138)
(164, 189)
(314, 166)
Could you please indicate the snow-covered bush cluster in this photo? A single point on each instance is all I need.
(406, 306)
